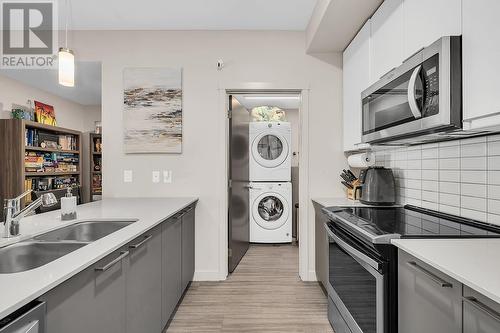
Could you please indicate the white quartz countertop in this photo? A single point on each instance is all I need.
(342, 201)
(473, 262)
(18, 289)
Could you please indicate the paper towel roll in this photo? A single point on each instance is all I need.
(363, 160)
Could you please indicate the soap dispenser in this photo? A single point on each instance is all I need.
(68, 206)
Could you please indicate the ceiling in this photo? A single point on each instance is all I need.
(334, 23)
(87, 90)
(187, 14)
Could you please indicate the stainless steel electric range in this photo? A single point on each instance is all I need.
(363, 264)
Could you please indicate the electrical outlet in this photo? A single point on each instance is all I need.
(167, 176)
(127, 176)
(156, 177)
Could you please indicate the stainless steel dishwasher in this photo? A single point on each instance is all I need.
(28, 319)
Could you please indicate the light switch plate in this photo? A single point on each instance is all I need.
(167, 176)
(127, 176)
(156, 177)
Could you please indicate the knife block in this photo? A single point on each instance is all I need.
(355, 193)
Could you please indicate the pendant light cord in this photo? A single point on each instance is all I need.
(66, 23)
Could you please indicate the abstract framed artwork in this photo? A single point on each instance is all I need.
(152, 113)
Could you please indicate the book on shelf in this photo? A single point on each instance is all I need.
(36, 138)
(51, 162)
(50, 183)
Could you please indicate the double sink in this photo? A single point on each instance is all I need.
(47, 247)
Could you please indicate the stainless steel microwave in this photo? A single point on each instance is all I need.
(421, 97)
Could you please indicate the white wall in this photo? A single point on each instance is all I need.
(253, 60)
(68, 114)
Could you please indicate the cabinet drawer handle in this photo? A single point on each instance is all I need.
(142, 242)
(440, 282)
(482, 307)
(122, 255)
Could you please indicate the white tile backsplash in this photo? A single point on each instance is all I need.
(493, 192)
(431, 153)
(449, 175)
(449, 164)
(449, 152)
(432, 185)
(474, 190)
(449, 199)
(494, 163)
(473, 163)
(473, 203)
(449, 187)
(460, 177)
(494, 148)
(472, 150)
(430, 164)
(474, 177)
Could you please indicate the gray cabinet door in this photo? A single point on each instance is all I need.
(188, 231)
(91, 301)
(429, 301)
(144, 283)
(171, 266)
(321, 246)
(481, 315)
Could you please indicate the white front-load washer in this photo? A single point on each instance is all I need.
(270, 212)
(270, 151)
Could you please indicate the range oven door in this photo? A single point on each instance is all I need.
(418, 97)
(358, 284)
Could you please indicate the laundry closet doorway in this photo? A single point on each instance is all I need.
(264, 140)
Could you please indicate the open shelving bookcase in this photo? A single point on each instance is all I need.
(95, 156)
(13, 147)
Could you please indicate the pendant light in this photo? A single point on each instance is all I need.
(66, 60)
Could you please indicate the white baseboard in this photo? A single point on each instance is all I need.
(209, 276)
(311, 276)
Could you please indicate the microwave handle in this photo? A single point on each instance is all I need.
(417, 113)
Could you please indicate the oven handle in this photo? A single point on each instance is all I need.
(412, 101)
(352, 251)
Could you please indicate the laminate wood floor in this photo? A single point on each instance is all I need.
(264, 294)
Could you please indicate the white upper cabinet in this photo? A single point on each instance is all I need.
(387, 38)
(356, 78)
(426, 21)
(481, 66)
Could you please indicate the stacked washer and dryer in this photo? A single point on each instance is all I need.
(270, 177)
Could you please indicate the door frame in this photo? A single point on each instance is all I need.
(303, 223)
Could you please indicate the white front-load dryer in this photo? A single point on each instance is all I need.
(270, 212)
(270, 151)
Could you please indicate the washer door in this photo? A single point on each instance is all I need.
(270, 150)
(270, 210)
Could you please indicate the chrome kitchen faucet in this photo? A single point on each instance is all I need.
(14, 214)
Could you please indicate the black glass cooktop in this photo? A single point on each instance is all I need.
(410, 221)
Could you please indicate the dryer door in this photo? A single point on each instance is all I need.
(270, 150)
(270, 210)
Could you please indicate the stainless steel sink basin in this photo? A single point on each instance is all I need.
(27, 255)
(84, 231)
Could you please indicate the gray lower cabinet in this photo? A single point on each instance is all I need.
(481, 315)
(429, 301)
(91, 301)
(187, 247)
(171, 290)
(134, 289)
(144, 283)
(321, 246)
